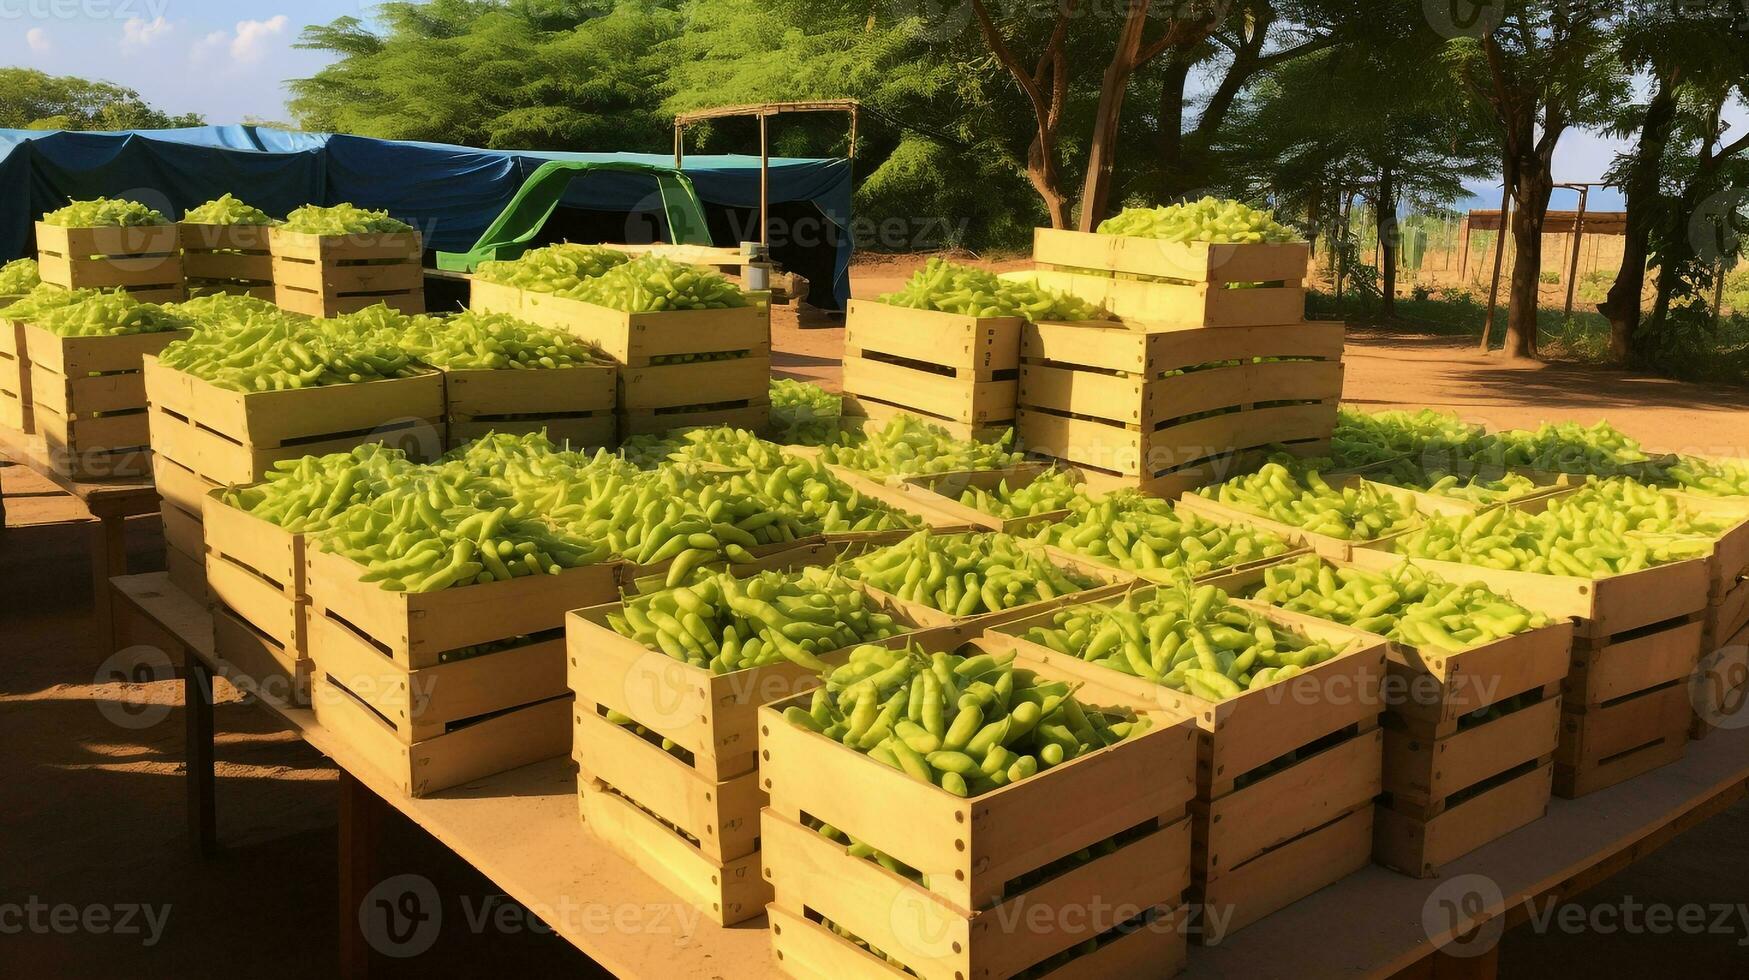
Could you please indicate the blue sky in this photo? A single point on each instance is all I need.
(229, 61)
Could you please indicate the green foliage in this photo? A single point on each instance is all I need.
(31, 99)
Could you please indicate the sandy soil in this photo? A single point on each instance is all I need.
(91, 816)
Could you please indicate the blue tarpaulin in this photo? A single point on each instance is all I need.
(451, 193)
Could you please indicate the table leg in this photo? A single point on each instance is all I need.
(197, 707)
(360, 826)
(1484, 966)
(109, 557)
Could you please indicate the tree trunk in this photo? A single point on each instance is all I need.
(1531, 196)
(1387, 214)
(1102, 149)
(1622, 306)
(1041, 170)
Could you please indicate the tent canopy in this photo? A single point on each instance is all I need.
(451, 193)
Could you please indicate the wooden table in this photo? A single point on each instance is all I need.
(1371, 924)
(109, 502)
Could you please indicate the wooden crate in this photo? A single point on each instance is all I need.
(738, 381)
(635, 339)
(1183, 261)
(227, 258)
(1102, 396)
(941, 492)
(1599, 607)
(968, 848)
(1724, 617)
(712, 717)
(88, 400)
(381, 659)
(234, 437)
(146, 260)
(328, 275)
(729, 893)
(808, 950)
(859, 412)
(1265, 838)
(572, 405)
(940, 366)
(1178, 305)
(1422, 848)
(409, 632)
(1629, 704)
(814, 876)
(15, 403)
(256, 573)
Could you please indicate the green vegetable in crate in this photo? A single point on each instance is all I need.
(1203, 220)
(1053, 491)
(309, 493)
(342, 219)
(1702, 476)
(275, 352)
(43, 298)
(1578, 540)
(727, 624)
(719, 445)
(1305, 501)
(18, 277)
(966, 724)
(804, 414)
(446, 527)
(816, 499)
(1189, 639)
(1629, 506)
(226, 210)
(1425, 438)
(224, 307)
(1146, 535)
(1405, 604)
(111, 315)
(493, 341)
(907, 445)
(949, 287)
(104, 212)
(1567, 447)
(967, 574)
(652, 283)
(559, 269)
(1480, 490)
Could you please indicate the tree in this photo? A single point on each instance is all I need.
(1692, 58)
(1366, 117)
(559, 74)
(1545, 67)
(31, 99)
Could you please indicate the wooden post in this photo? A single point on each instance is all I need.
(1464, 255)
(679, 143)
(852, 154)
(360, 832)
(197, 709)
(764, 183)
(1499, 254)
(1573, 260)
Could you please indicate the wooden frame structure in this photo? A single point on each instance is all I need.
(763, 111)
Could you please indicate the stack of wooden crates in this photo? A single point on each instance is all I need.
(1211, 360)
(677, 368)
(330, 275)
(146, 260)
(205, 438)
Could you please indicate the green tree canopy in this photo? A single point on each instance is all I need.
(31, 99)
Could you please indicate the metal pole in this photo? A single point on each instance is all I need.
(764, 183)
(1578, 240)
(1499, 254)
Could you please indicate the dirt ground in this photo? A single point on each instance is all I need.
(92, 814)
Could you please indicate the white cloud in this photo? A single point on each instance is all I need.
(252, 36)
(138, 32)
(38, 39)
